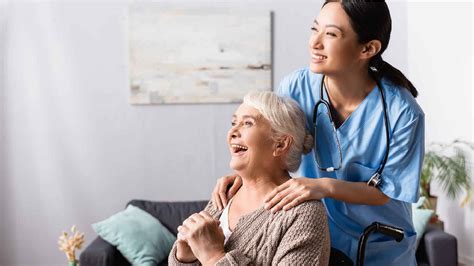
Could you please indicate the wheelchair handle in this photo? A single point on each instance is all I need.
(394, 232)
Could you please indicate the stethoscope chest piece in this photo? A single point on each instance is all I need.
(375, 180)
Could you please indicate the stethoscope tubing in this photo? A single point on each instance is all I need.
(375, 178)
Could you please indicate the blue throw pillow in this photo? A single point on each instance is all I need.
(420, 219)
(139, 236)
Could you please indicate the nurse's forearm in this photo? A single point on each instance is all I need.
(354, 192)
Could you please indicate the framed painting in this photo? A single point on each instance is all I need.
(197, 56)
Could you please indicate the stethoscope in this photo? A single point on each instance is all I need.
(375, 179)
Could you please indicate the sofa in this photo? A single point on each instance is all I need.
(437, 248)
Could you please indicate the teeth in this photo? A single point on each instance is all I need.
(320, 57)
(239, 146)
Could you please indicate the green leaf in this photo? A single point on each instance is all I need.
(450, 171)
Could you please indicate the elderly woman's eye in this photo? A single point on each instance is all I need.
(248, 123)
(233, 123)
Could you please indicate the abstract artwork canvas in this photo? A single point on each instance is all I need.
(197, 56)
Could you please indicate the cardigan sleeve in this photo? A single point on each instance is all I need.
(172, 260)
(234, 258)
(306, 239)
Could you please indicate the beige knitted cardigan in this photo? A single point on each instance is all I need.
(299, 236)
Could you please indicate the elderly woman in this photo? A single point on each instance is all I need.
(266, 141)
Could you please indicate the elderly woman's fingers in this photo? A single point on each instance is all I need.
(182, 232)
(191, 220)
(208, 219)
(197, 217)
(181, 237)
(206, 215)
(297, 201)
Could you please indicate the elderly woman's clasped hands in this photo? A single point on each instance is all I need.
(200, 238)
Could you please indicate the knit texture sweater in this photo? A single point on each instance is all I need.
(299, 236)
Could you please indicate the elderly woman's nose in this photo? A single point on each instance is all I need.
(234, 132)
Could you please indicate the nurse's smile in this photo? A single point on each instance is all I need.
(317, 58)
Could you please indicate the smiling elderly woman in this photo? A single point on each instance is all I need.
(266, 141)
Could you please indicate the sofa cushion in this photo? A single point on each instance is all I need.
(101, 253)
(139, 236)
(170, 214)
(420, 219)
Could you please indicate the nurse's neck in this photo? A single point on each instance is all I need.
(349, 89)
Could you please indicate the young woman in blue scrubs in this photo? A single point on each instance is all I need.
(345, 48)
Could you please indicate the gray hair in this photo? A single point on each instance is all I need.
(286, 118)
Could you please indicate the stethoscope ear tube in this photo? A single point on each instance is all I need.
(315, 115)
(375, 179)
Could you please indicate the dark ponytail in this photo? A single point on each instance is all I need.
(371, 21)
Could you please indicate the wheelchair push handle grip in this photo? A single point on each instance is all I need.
(392, 231)
(396, 233)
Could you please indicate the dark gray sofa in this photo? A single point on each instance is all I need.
(437, 248)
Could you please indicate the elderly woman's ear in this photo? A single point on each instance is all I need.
(282, 145)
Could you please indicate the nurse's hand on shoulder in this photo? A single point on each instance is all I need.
(294, 192)
(222, 193)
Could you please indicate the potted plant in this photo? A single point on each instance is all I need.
(446, 164)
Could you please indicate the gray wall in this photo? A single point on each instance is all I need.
(2, 165)
(74, 151)
(446, 95)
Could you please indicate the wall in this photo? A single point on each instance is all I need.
(3, 8)
(440, 64)
(75, 151)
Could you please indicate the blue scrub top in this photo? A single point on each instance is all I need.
(363, 144)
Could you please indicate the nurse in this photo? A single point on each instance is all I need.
(346, 45)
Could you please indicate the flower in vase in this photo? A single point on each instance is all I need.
(70, 243)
